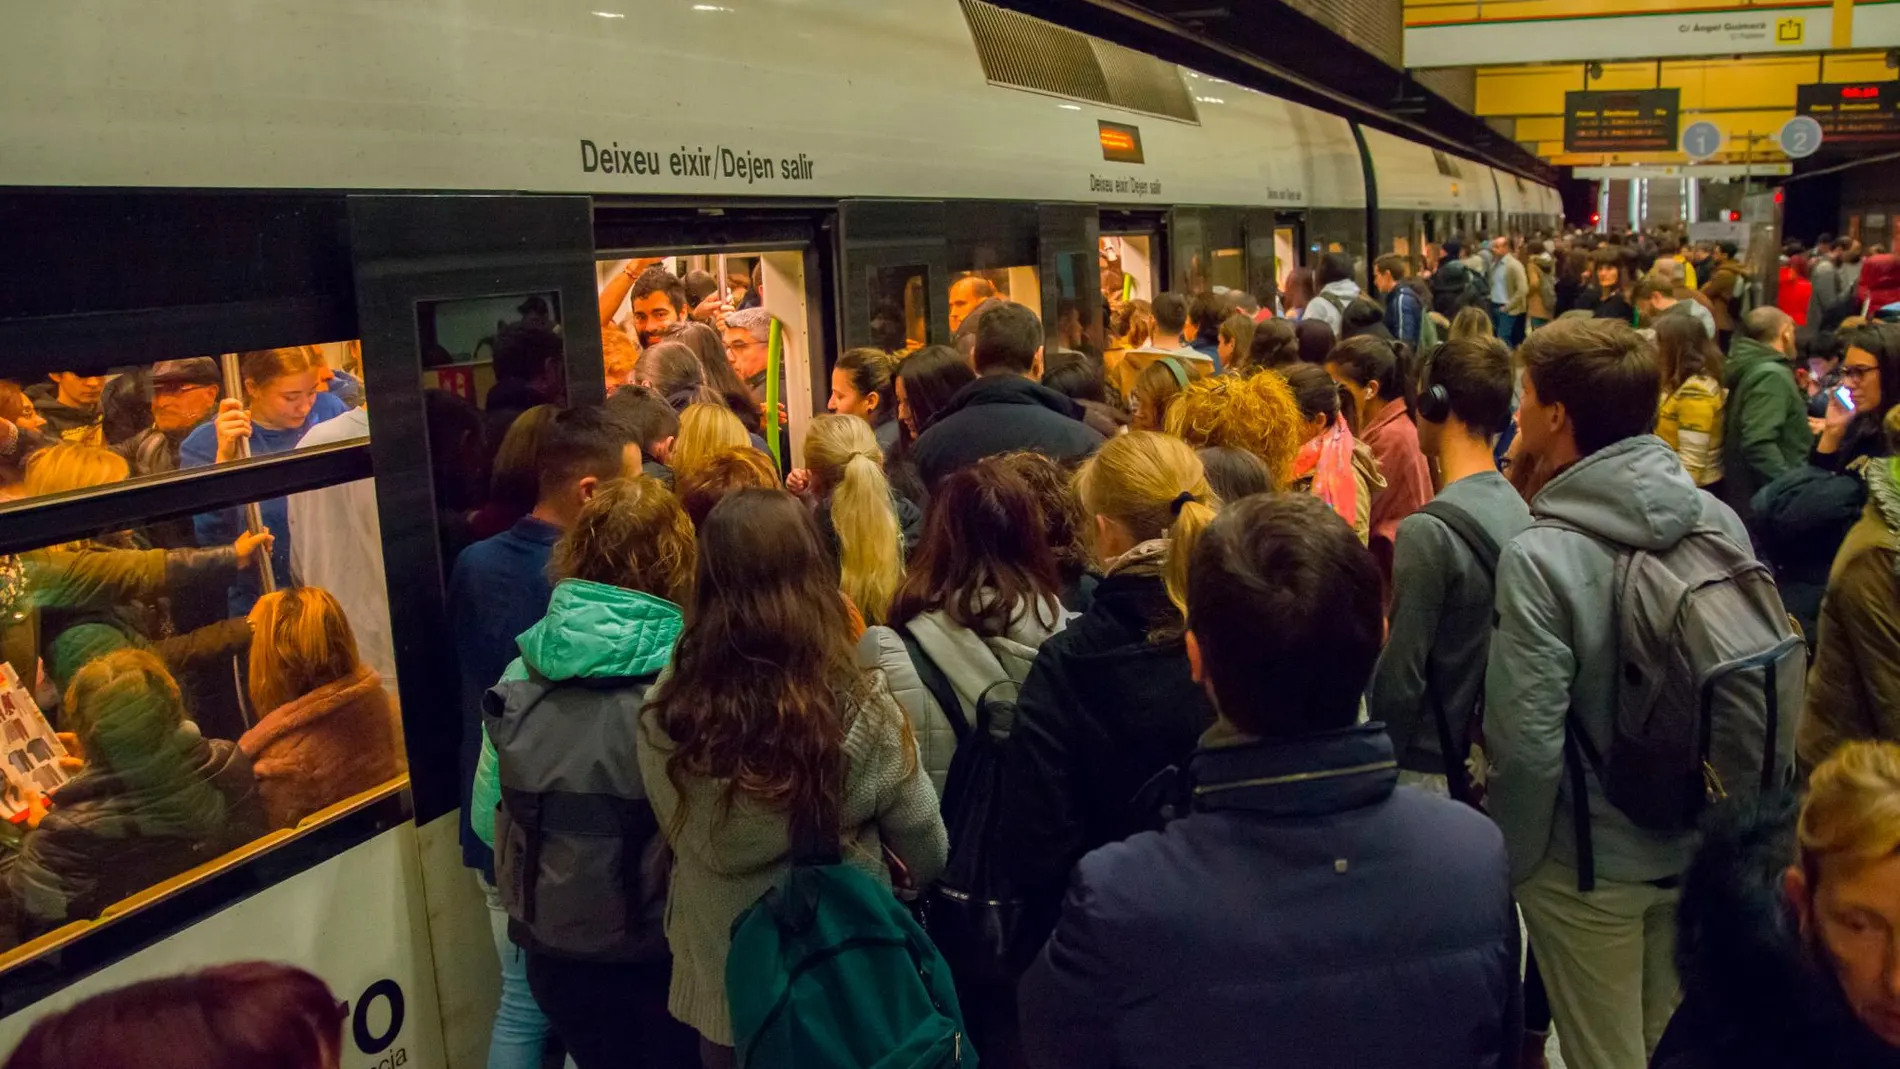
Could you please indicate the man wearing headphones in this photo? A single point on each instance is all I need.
(1429, 684)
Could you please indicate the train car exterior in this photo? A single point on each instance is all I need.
(378, 187)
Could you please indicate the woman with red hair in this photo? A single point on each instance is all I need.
(247, 1015)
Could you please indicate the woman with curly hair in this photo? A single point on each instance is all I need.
(1257, 414)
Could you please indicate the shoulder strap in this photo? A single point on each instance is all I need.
(1336, 301)
(937, 684)
(1469, 531)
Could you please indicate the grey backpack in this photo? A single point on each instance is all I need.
(1710, 675)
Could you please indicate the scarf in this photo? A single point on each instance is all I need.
(1148, 558)
(1327, 461)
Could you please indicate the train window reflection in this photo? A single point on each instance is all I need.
(149, 733)
(969, 289)
(900, 307)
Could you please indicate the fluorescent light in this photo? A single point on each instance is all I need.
(710, 7)
(1070, 107)
(610, 14)
(1210, 100)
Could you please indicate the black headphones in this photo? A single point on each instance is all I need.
(1434, 402)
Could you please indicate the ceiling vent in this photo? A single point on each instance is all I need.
(1023, 52)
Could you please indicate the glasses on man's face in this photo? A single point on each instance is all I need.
(1857, 372)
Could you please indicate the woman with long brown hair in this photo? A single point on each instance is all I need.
(325, 729)
(767, 730)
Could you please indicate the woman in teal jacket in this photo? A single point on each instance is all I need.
(558, 763)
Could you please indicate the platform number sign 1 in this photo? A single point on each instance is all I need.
(1800, 137)
(1701, 140)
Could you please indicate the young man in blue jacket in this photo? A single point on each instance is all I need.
(1306, 910)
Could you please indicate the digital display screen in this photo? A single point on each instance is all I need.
(1121, 143)
(1638, 120)
(1851, 111)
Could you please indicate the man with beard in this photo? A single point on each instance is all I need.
(1789, 941)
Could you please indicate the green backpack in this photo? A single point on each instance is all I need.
(828, 970)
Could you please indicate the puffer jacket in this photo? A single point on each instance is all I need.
(1109, 703)
(559, 753)
(336, 741)
(1879, 282)
(1554, 654)
(110, 834)
(1854, 685)
(1753, 995)
(970, 663)
(1690, 420)
(1305, 911)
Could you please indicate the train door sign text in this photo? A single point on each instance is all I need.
(1701, 140)
(1800, 137)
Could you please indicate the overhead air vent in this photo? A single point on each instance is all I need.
(1446, 165)
(1023, 52)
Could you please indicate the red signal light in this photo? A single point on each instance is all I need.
(1777, 196)
(1595, 217)
(1734, 216)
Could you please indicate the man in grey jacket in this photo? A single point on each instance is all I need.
(1439, 633)
(1589, 402)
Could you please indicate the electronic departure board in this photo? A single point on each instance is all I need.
(1635, 120)
(1852, 111)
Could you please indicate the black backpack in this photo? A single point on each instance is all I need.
(1486, 550)
(973, 914)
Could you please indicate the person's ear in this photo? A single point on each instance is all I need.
(1794, 887)
(1194, 658)
(586, 488)
(1035, 366)
(1371, 390)
(663, 450)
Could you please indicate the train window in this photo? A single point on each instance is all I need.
(971, 288)
(900, 307)
(159, 417)
(470, 346)
(160, 720)
(1338, 230)
(1208, 252)
(1078, 322)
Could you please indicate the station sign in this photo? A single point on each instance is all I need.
(1853, 112)
(1634, 120)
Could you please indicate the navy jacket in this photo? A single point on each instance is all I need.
(498, 590)
(1305, 912)
(999, 414)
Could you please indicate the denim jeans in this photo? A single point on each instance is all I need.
(1510, 328)
(521, 1030)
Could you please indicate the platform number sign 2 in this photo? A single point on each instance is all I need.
(1701, 140)
(1800, 136)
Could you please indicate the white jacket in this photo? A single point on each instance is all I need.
(971, 664)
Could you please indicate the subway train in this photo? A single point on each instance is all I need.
(385, 189)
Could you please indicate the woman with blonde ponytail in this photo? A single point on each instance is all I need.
(1111, 700)
(864, 524)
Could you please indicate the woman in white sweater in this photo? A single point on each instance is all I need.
(764, 720)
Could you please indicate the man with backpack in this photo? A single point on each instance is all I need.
(1337, 290)
(1454, 285)
(1629, 590)
(1429, 685)
(1407, 301)
(1304, 909)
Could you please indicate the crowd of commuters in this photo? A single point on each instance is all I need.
(1033, 634)
(1251, 692)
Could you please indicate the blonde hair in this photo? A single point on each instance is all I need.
(1258, 414)
(706, 429)
(262, 365)
(1471, 322)
(1156, 487)
(847, 465)
(1853, 807)
(619, 356)
(300, 640)
(71, 466)
(631, 534)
